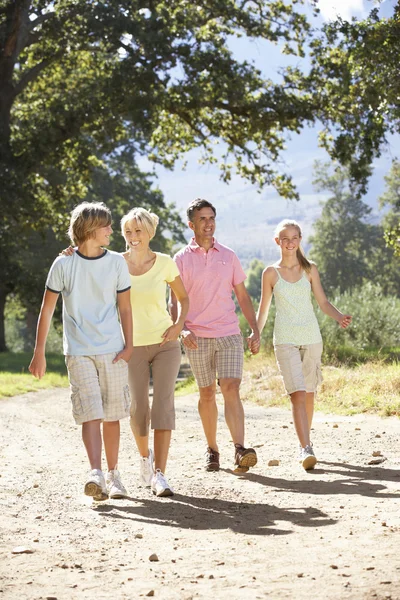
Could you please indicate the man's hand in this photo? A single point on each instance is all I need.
(125, 355)
(253, 342)
(171, 334)
(189, 339)
(38, 366)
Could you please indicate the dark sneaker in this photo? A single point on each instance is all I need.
(244, 459)
(212, 460)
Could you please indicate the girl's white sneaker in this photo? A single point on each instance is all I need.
(160, 485)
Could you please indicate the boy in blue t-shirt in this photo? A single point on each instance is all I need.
(95, 286)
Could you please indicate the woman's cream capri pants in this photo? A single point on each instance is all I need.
(165, 362)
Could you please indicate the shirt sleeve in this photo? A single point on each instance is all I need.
(238, 274)
(124, 279)
(55, 278)
(171, 270)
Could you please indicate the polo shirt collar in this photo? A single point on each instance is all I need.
(193, 245)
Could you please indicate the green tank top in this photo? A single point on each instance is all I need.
(295, 320)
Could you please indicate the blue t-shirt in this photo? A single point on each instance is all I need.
(89, 287)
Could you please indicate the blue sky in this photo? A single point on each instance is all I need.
(181, 186)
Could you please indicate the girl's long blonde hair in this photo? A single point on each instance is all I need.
(301, 257)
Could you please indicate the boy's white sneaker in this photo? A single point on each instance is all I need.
(160, 485)
(147, 469)
(307, 458)
(95, 485)
(115, 487)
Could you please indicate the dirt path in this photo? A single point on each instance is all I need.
(278, 532)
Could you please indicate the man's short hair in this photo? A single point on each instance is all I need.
(85, 219)
(198, 204)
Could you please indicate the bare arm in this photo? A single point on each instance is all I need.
(247, 308)
(268, 280)
(323, 302)
(188, 337)
(180, 310)
(38, 363)
(125, 314)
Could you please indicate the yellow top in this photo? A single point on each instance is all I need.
(149, 303)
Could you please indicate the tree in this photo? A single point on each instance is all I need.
(253, 281)
(391, 198)
(341, 239)
(80, 80)
(356, 89)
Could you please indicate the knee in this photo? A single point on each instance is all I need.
(207, 394)
(298, 398)
(230, 386)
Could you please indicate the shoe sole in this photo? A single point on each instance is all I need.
(212, 467)
(164, 493)
(309, 463)
(117, 496)
(247, 461)
(95, 491)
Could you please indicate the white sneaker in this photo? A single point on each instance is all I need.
(115, 487)
(95, 486)
(146, 469)
(160, 485)
(307, 458)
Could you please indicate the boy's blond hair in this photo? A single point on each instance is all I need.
(143, 217)
(85, 219)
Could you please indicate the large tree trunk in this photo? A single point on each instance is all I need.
(3, 297)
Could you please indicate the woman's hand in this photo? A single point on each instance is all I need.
(68, 251)
(171, 334)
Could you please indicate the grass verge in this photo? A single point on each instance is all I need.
(15, 378)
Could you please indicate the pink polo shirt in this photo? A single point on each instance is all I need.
(209, 278)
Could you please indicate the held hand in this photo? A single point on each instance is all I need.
(345, 321)
(253, 342)
(38, 366)
(124, 355)
(67, 251)
(171, 334)
(189, 340)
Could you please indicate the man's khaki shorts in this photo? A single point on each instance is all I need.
(99, 388)
(222, 356)
(300, 366)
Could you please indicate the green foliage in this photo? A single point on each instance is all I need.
(346, 248)
(391, 198)
(253, 281)
(355, 85)
(376, 319)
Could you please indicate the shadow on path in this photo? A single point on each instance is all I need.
(190, 512)
(355, 479)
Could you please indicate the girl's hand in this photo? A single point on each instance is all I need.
(171, 334)
(68, 251)
(345, 321)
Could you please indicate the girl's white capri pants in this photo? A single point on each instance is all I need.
(300, 366)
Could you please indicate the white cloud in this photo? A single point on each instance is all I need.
(342, 8)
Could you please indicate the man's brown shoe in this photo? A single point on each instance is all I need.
(212, 460)
(244, 459)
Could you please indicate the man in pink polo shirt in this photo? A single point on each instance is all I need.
(211, 335)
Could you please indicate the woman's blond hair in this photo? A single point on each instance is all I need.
(85, 219)
(301, 257)
(143, 217)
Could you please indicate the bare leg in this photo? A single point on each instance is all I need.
(310, 407)
(162, 440)
(209, 414)
(111, 434)
(300, 417)
(91, 436)
(234, 413)
(142, 441)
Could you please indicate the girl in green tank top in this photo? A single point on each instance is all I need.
(297, 338)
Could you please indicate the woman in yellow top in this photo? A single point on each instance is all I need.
(156, 345)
